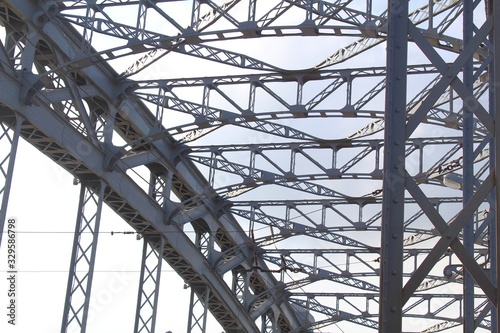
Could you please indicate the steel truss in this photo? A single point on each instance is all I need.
(149, 285)
(328, 190)
(81, 271)
(9, 140)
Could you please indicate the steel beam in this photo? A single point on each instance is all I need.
(200, 296)
(152, 258)
(81, 270)
(240, 286)
(391, 251)
(494, 11)
(198, 312)
(9, 139)
(468, 167)
(267, 325)
(149, 284)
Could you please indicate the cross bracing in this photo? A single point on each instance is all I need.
(336, 159)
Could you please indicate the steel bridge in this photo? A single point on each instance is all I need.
(303, 165)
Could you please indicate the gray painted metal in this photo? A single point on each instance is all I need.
(81, 270)
(393, 208)
(198, 311)
(494, 9)
(468, 168)
(9, 140)
(275, 206)
(149, 285)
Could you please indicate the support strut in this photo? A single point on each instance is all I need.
(9, 140)
(391, 277)
(81, 271)
(149, 284)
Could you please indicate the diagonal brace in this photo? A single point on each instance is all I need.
(450, 239)
(450, 77)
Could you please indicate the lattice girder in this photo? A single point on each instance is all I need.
(262, 154)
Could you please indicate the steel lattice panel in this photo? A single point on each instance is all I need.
(271, 122)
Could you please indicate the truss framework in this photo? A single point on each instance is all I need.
(81, 271)
(149, 285)
(290, 206)
(9, 140)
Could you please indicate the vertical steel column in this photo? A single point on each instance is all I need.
(391, 275)
(141, 19)
(88, 31)
(195, 15)
(81, 271)
(160, 184)
(8, 148)
(108, 126)
(198, 311)
(149, 284)
(268, 324)
(494, 7)
(468, 168)
(251, 10)
(240, 286)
